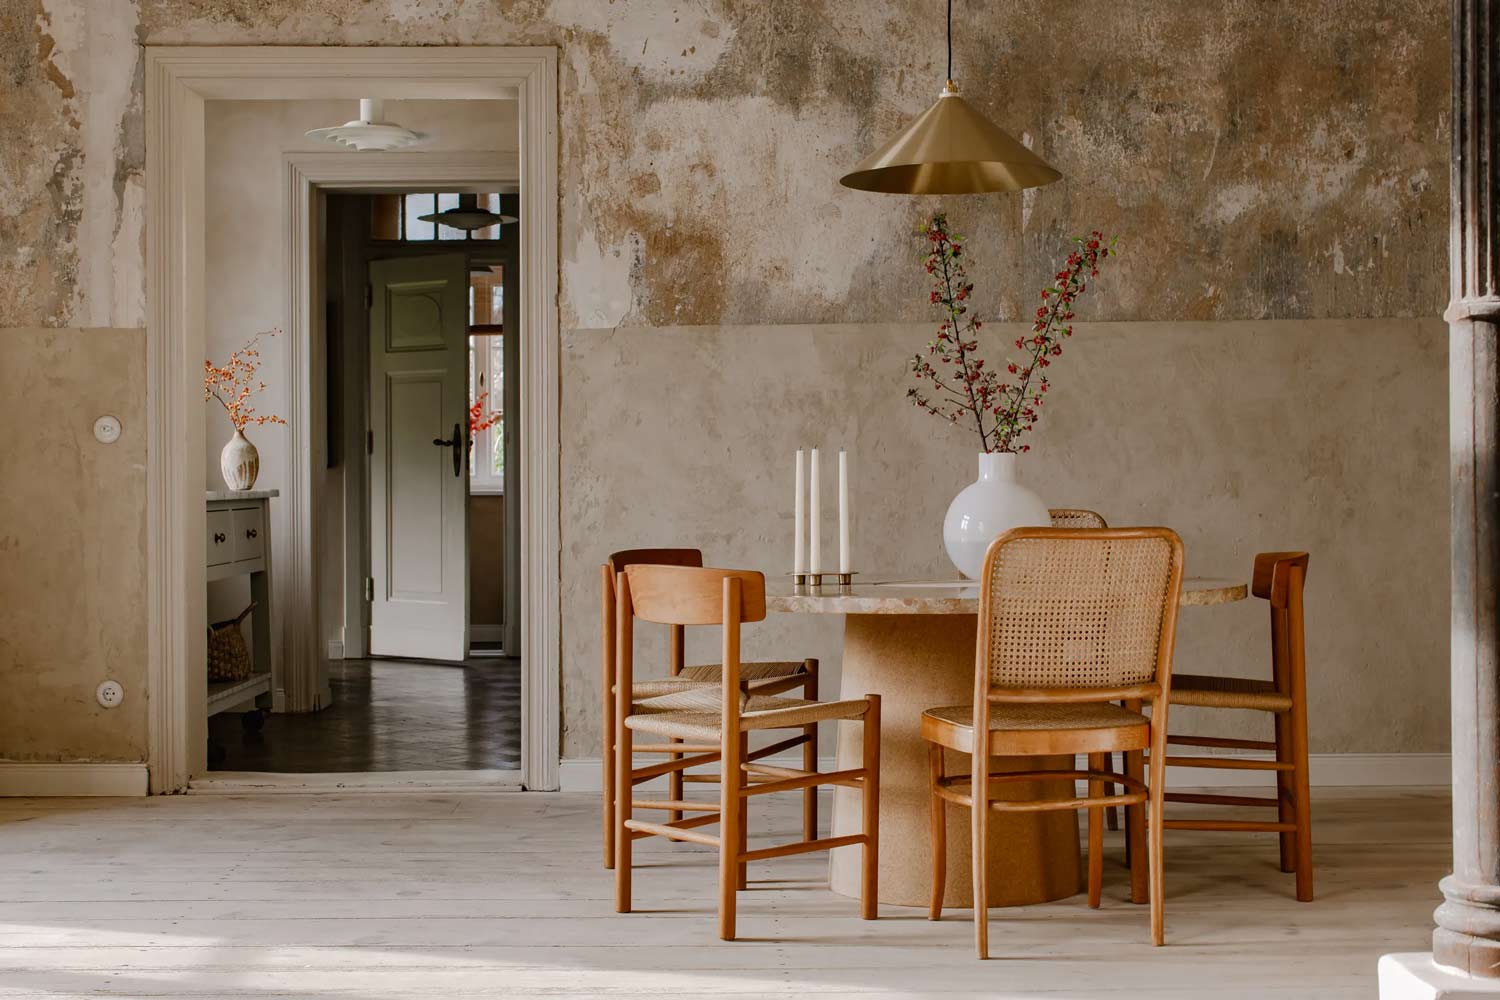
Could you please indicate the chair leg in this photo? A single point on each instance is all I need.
(1111, 814)
(624, 792)
(1156, 822)
(1097, 762)
(938, 813)
(743, 844)
(1302, 800)
(869, 889)
(607, 798)
(1135, 826)
(979, 825)
(1284, 806)
(730, 813)
(810, 758)
(674, 785)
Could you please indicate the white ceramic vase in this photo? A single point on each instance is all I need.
(239, 462)
(986, 509)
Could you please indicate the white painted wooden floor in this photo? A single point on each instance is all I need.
(502, 895)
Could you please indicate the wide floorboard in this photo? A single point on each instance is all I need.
(502, 895)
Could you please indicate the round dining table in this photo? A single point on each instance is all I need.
(913, 643)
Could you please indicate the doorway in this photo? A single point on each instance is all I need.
(422, 672)
(180, 82)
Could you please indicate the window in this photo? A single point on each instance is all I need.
(486, 380)
(398, 217)
(486, 413)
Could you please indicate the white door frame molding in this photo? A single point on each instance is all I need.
(178, 83)
(304, 175)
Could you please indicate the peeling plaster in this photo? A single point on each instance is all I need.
(1229, 145)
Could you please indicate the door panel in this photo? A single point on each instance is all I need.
(419, 419)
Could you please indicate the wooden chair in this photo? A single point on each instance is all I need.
(1278, 579)
(1070, 620)
(763, 678)
(715, 725)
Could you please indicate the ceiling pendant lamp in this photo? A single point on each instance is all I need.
(368, 132)
(950, 149)
(468, 216)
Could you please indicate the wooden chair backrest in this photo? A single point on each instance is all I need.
(1272, 580)
(1076, 517)
(654, 557)
(1080, 612)
(690, 595)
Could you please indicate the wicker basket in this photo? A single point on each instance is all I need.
(228, 656)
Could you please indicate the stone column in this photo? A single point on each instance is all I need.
(1468, 922)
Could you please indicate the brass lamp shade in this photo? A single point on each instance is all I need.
(950, 149)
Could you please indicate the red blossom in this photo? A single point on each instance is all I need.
(975, 390)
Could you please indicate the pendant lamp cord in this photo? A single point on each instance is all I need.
(950, 39)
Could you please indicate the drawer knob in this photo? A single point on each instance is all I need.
(249, 532)
(220, 538)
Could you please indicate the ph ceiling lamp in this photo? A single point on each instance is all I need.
(950, 149)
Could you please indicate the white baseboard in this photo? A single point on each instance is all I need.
(1328, 770)
(25, 778)
(242, 782)
(335, 649)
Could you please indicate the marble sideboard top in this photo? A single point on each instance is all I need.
(213, 495)
(922, 597)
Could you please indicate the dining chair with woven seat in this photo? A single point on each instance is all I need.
(760, 678)
(1070, 621)
(1278, 579)
(714, 726)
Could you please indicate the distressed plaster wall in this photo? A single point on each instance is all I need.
(72, 544)
(1279, 162)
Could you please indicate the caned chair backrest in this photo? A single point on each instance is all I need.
(1069, 608)
(1076, 517)
(691, 595)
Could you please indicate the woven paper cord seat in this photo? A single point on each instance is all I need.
(1229, 692)
(711, 674)
(697, 714)
(1025, 717)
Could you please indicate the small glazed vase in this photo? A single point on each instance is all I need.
(239, 462)
(986, 509)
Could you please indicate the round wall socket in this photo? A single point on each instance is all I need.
(107, 429)
(110, 694)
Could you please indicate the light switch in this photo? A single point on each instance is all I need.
(107, 429)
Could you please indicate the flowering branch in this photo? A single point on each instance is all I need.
(232, 385)
(974, 389)
(478, 419)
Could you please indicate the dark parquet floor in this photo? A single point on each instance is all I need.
(391, 715)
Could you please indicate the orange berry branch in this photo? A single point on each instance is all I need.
(233, 384)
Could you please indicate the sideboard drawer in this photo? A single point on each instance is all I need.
(220, 547)
(249, 532)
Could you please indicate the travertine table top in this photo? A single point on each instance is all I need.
(923, 597)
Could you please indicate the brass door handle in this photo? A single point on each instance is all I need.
(458, 445)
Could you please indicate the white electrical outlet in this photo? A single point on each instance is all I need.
(110, 694)
(107, 429)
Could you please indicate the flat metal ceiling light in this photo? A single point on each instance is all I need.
(369, 132)
(468, 216)
(950, 149)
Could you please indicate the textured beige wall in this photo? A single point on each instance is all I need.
(1261, 161)
(72, 544)
(1244, 437)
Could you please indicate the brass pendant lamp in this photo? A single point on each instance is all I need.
(950, 149)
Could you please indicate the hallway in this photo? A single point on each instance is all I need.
(391, 715)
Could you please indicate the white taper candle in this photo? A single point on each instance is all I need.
(799, 515)
(814, 541)
(843, 511)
